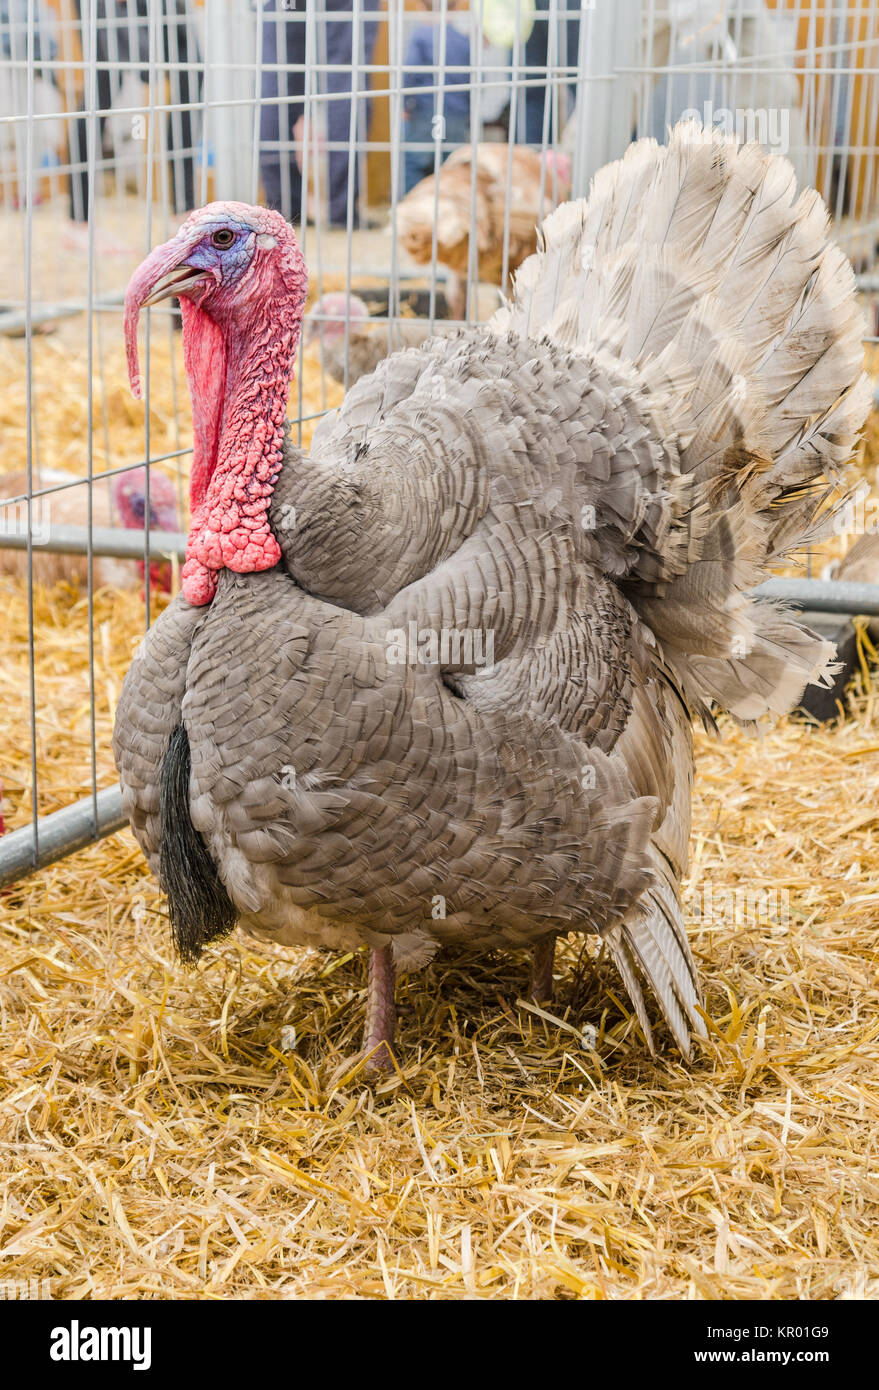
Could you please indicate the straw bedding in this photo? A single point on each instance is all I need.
(178, 1134)
(206, 1134)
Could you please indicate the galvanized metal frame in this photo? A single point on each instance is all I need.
(615, 74)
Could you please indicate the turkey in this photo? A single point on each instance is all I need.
(336, 317)
(432, 682)
(69, 507)
(860, 565)
(509, 191)
(367, 345)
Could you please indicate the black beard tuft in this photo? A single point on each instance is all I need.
(198, 904)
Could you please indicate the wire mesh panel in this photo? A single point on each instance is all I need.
(799, 77)
(415, 147)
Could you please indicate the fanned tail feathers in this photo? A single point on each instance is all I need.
(652, 941)
(715, 288)
(731, 321)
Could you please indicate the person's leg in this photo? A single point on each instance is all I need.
(339, 50)
(457, 133)
(185, 87)
(281, 180)
(572, 57)
(536, 50)
(536, 54)
(79, 145)
(417, 164)
(77, 148)
(340, 53)
(78, 187)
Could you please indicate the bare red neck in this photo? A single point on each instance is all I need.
(239, 380)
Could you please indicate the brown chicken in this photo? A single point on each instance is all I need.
(507, 193)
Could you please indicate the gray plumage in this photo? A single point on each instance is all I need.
(595, 480)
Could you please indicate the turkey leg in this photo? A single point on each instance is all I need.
(381, 1013)
(542, 961)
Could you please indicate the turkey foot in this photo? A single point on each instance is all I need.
(542, 961)
(381, 1013)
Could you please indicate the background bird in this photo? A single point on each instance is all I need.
(364, 344)
(367, 341)
(860, 565)
(510, 193)
(433, 681)
(69, 507)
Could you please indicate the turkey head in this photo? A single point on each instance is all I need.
(241, 280)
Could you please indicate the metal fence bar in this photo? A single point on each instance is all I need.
(23, 851)
(824, 595)
(205, 98)
(91, 214)
(29, 422)
(110, 541)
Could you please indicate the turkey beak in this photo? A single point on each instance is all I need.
(175, 282)
(164, 273)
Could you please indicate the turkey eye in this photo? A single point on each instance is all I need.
(223, 237)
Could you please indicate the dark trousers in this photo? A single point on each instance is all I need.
(283, 42)
(418, 130)
(185, 87)
(536, 55)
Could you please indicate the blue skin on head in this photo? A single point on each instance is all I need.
(230, 260)
(130, 500)
(137, 505)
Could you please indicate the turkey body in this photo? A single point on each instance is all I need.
(426, 797)
(352, 796)
(586, 489)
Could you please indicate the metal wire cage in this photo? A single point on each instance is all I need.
(118, 116)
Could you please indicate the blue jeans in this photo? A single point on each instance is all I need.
(417, 130)
(283, 41)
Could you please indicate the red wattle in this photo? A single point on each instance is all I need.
(239, 346)
(230, 526)
(198, 583)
